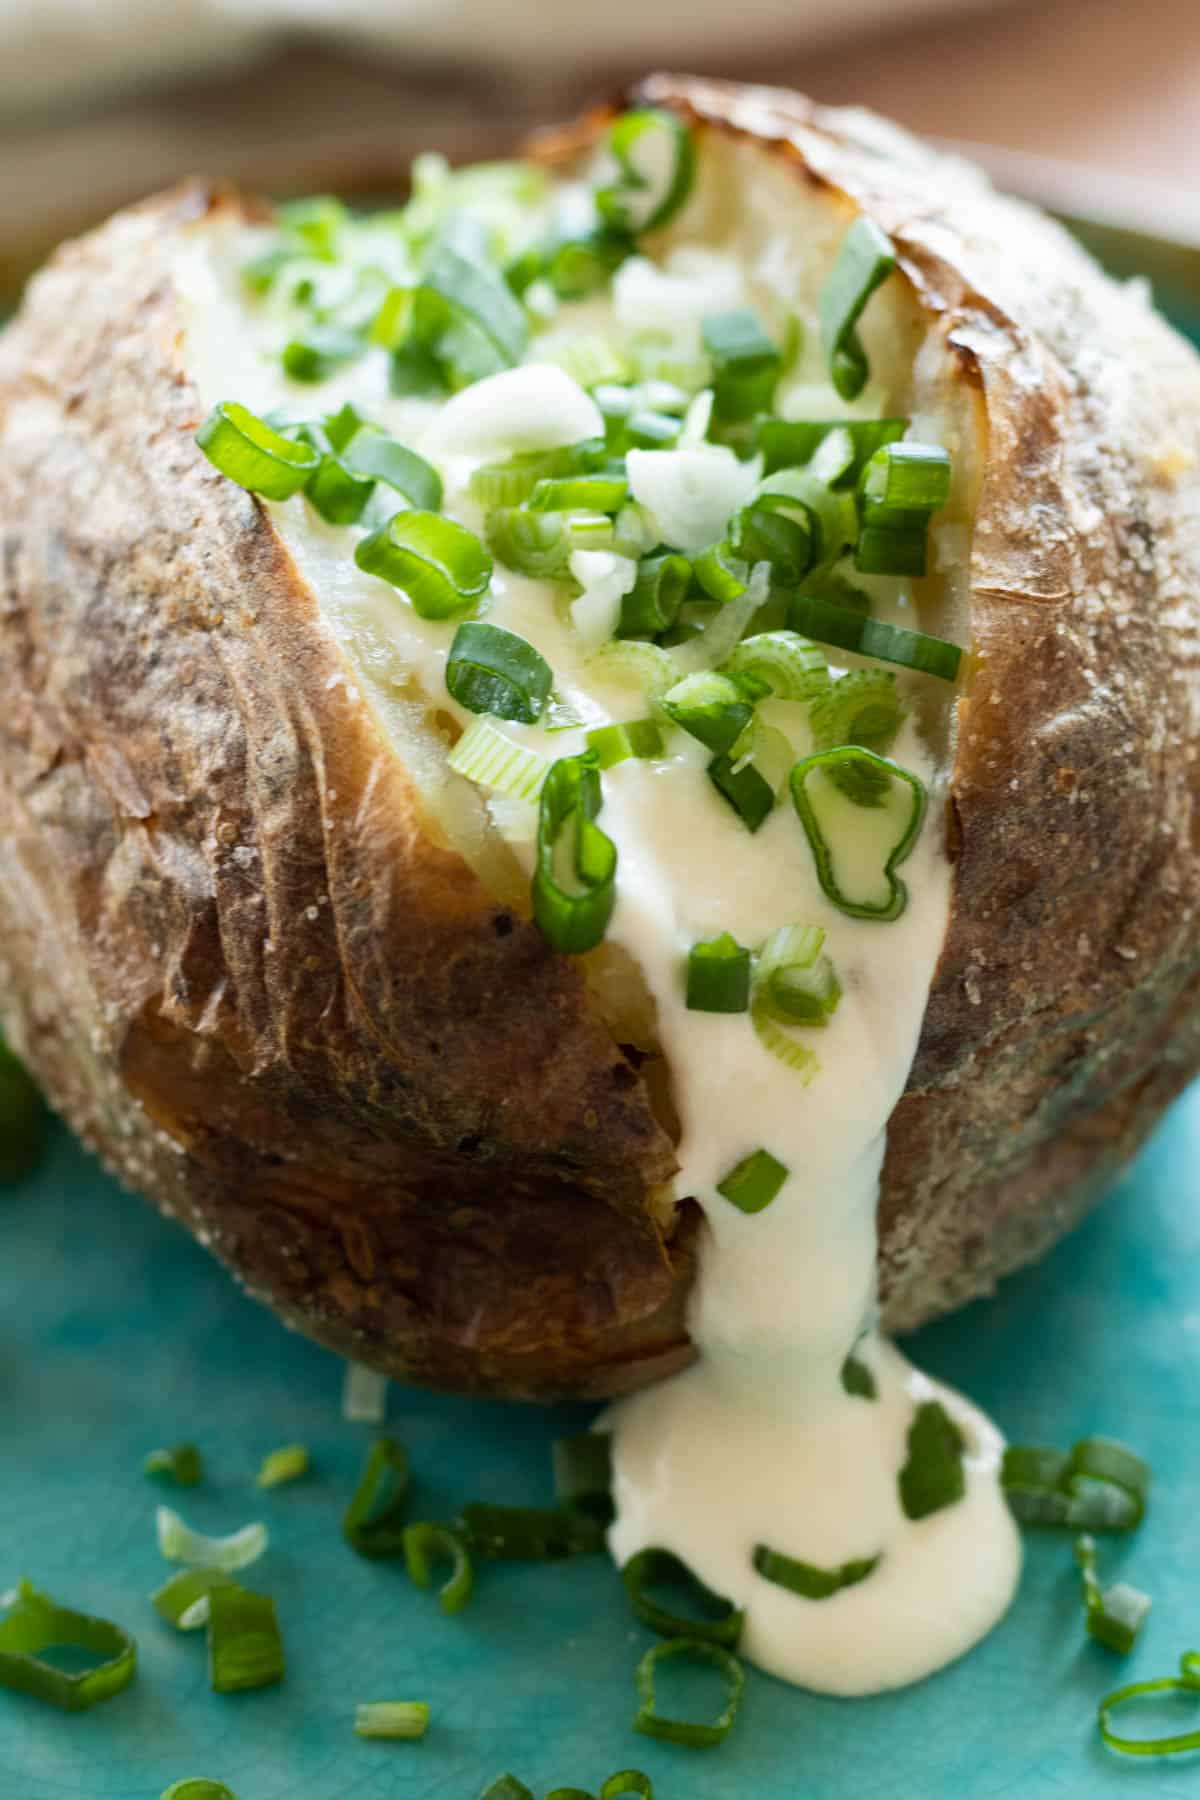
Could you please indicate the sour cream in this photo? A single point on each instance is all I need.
(758, 1443)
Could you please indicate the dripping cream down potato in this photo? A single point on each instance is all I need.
(505, 1049)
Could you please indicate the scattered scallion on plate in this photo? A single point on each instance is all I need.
(695, 1733)
(35, 1623)
(708, 1616)
(1115, 1615)
(373, 1523)
(391, 1718)
(182, 1464)
(1186, 1682)
(245, 1649)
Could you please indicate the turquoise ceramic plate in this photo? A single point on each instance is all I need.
(118, 1334)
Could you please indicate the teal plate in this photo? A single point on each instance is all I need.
(120, 1334)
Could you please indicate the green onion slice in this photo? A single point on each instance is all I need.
(283, 1465)
(529, 1533)
(438, 565)
(512, 482)
(1099, 1485)
(626, 1782)
(182, 1464)
(754, 1182)
(932, 1477)
(781, 1042)
(247, 450)
(490, 670)
(321, 353)
(781, 530)
(532, 543)
(709, 1616)
(337, 493)
(905, 478)
(506, 1787)
(744, 788)
(391, 1718)
(245, 1649)
(464, 316)
(490, 758)
(695, 1733)
(613, 744)
(631, 663)
(34, 1623)
(179, 1543)
(722, 574)
(858, 829)
(656, 159)
(1115, 1615)
(567, 493)
(864, 262)
(861, 707)
(197, 1788)
(574, 883)
(794, 981)
(787, 443)
(182, 1600)
(373, 1523)
(1186, 1682)
(858, 1379)
(652, 604)
(746, 364)
(583, 1474)
(718, 976)
(788, 664)
(713, 708)
(425, 1541)
(806, 1579)
(374, 454)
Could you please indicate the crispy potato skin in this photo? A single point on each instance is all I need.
(250, 977)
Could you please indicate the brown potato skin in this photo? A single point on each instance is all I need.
(249, 975)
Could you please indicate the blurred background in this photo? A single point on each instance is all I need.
(1092, 106)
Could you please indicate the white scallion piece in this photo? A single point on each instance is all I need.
(179, 1543)
(364, 1395)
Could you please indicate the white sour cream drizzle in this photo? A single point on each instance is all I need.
(758, 1442)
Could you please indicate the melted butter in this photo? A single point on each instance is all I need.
(757, 1443)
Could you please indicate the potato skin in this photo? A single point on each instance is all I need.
(249, 976)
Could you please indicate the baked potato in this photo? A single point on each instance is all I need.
(278, 965)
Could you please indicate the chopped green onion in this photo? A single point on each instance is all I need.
(905, 478)
(182, 1600)
(182, 1464)
(375, 454)
(780, 1042)
(718, 976)
(787, 443)
(423, 1542)
(509, 483)
(1115, 1615)
(755, 1182)
(529, 1533)
(631, 663)
(22, 1118)
(337, 493)
(1186, 1682)
(652, 604)
(391, 1718)
(584, 262)
(34, 1623)
(364, 1394)
(316, 221)
(747, 791)
(780, 530)
(806, 1579)
(280, 1466)
(373, 1523)
(247, 450)
(719, 1620)
(583, 1474)
(439, 566)
(838, 814)
(1099, 1485)
(488, 756)
(465, 318)
(626, 1782)
(574, 882)
(858, 1379)
(197, 1788)
(341, 426)
(414, 369)
(179, 1543)
(506, 1787)
(567, 493)
(569, 1793)
(490, 670)
(532, 543)
(245, 1649)
(788, 664)
(861, 707)
(932, 1477)
(830, 624)
(864, 262)
(647, 429)
(713, 708)
(746, 364)
(723, 575)
(656, 160)
(320, 354)
(696, 1734)
(613, 744)
(793, 981)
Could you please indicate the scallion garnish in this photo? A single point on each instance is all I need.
(35, 1623)
(583, 1474)
(506, 1787)
(532, 543)
(781, 1042)
(464, 316)
(438, 565)
(337, 493)
(794, 981)
(251, 453)
(183, 1599)
(182, 1464)
(22, 1118)
(489, 757)
(364, 1394)
(709, 1616)
(574, 883)
(787, 443)
(197, 1788)
(696, 1734)
(1186, 1682)
(745, 364)
(512, 482)
(179, 1543)
(858, 1379)
(865, 260)
(902, 486)
(1115, 1615)
(754, 1182)
(656, 160)
(490, 670)
(751, 796)
(321, 353)
(712, 707)
(391, 1718)
(373, 453)
(568, 493)
(861, 707)
(652, 604)
(932, 1476)
(626, 1782)
(529, 1533)
(613, 744)
(781, 530)
(718, 976)
(722, 574)
(373, 1523)
(839, 796)
(425, 1541)
(806, 1579)
(580, 263)
(283, 1465)
(785, 662)
(245, 1649)
(1098, 1485)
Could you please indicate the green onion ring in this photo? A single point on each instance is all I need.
(424, 1541)
(35, 1623)
(694, 1733)
(373, 1523)
(1186, 1682)
(662, 1568)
